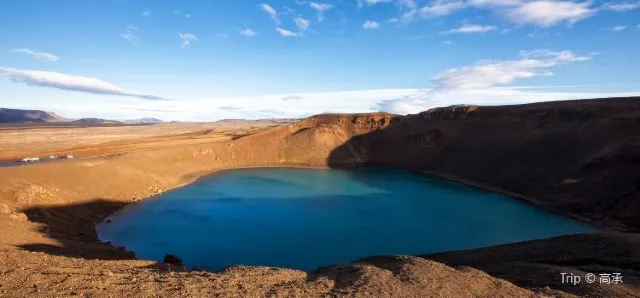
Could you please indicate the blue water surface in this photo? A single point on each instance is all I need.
(305, 218)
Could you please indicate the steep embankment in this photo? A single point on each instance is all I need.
(579, 157)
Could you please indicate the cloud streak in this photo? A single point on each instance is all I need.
(38, 55)
(490, 73)
(320, 9)
(67, 82)
(539, 13)
(248, 32)
(130, 36)
(187, 38)
(302, 24)
(546, 13)
(621, 6)
(270, 11)
(370, 25)
(422, 100)
(470, 28)
(286, 33)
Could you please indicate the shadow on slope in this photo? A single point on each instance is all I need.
(73, 226)
(577, 157)
(540, 263)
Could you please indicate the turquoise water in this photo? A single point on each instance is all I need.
(303, 218)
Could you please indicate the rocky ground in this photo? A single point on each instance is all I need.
(579, 158)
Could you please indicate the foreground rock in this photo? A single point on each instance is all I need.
(24, 274)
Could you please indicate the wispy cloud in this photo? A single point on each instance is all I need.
(69, 82)
(182, 14)
(371, 25)
(130, 36)
(470, 28)
(271, 12)
(230, 108)
(546, 13)
(286, 33)
(248, 32)
(439, 8)
(37, 54)
(541, 13)
(621, 6)
(422, 100)
(494, 3)
(619, 28)
(302, 24)
(320, 9)
(187, 38)
(489, 73)
(145, 13)
(362, 3)
(292, 98)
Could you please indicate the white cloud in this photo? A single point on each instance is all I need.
(448, 42)
(130, 36)
(37, 54)
(292, 97)
(546, 13)
(182, 14)
(271, 11)
(248, 32)
(146, 13)
(302, 24)
(542, 13)
(287, 33)
(68, 82)
(556, 56)
(422, 100)
(470, 28)
(506, 30)
(619, 28)
(187, 38)
(489, 73)
(401, 101)
(371, 25)
(362, 3)
(439, 8)
(320, 8)
(494, 3)
(621, 6)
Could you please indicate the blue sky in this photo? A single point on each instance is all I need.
(207, 60)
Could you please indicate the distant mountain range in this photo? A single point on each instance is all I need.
(29, 116)
(37, 116)
(144, 121)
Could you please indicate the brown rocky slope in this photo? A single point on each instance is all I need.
(577, 157)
